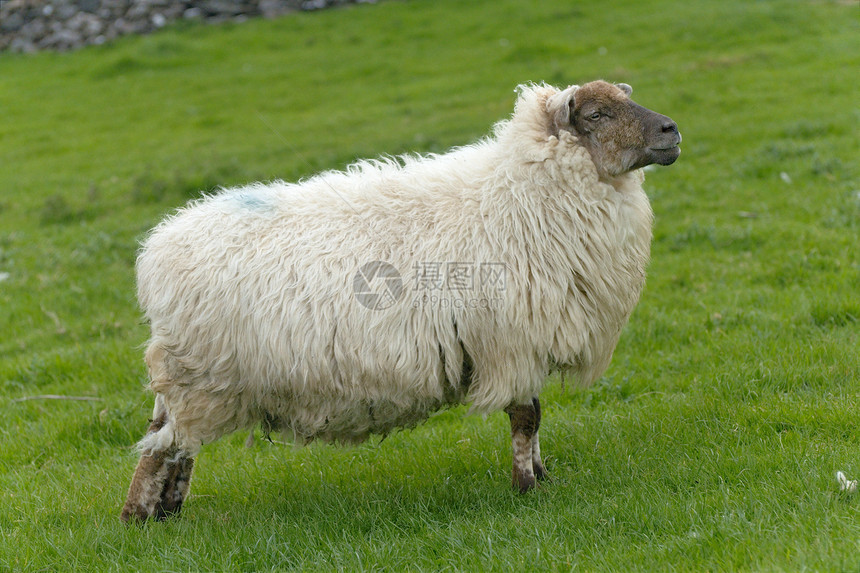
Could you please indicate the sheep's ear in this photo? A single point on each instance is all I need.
(560, 106)
(626, 89)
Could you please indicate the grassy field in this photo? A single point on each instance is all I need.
(711, 442)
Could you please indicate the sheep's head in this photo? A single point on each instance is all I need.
(619, 134)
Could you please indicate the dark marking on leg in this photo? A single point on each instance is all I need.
(537, 464)
(175, 488)
(524, 425)
(157, 423)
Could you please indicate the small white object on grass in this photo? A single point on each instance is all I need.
(845, 484)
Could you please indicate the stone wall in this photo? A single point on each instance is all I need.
(32, 25)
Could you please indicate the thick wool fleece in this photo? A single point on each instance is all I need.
(250, 292)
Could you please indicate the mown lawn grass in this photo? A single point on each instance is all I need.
(710, 443)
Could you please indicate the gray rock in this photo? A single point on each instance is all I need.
(64, 39)
(23, 46)
(274, 8)
(65, 11)
(91, 6)
(194, 13)
(87, 25)
(13, 23)
(223, 8)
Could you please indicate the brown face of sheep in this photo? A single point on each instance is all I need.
(620, 134)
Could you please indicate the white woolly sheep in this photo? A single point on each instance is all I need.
(358, 302)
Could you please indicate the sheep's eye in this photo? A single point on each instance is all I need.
(594, 116)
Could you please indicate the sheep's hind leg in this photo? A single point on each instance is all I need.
(160, 483)
(175, 487)
(527, 465)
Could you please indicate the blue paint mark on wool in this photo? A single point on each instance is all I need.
(252, 200)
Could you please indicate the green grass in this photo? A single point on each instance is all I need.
(711, 442)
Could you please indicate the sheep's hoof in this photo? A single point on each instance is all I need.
(140, 514)
(134, 514)
(163, 513)
(540, 472)
(523, 481)
(126, 516)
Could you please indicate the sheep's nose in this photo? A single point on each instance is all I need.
(670, 126)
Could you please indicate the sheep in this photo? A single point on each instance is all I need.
(358, 302)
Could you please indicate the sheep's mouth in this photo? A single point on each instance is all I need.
(673, 146)
(665, 155)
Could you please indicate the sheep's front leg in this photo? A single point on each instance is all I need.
(525, 423)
